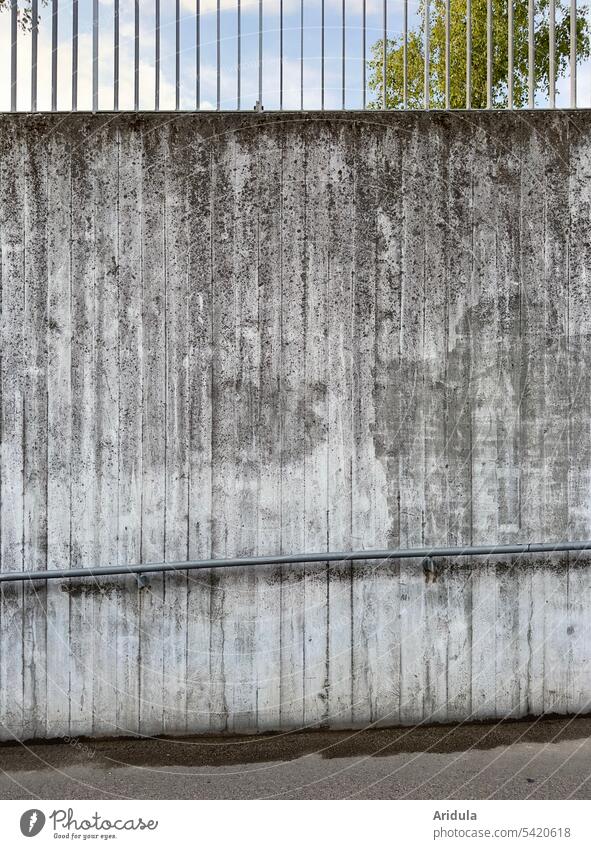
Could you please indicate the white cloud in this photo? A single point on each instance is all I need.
(64, 82)
(272, 7)
(208, 7)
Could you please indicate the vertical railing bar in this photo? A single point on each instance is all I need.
(260, 98)
(531, 58)
(116, 55)
(363, 51)
(34, 53)
(95, 54)
(405, 58)
(573, 54)
(468, 54)
(218, 30)
(280, 54)
(177, 57)
(302, 54)
(157, 55)
(198, 55)
(136, 57)
(447, 53)
(13, 53)
(384, 54)
(75, 54)
(54, 30)
(552, 54)
(510, 57)
(489, 53)
(322, 48)
(239, 52)
(343, 49)
(427, 52)
(490, 30)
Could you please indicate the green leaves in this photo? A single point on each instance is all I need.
(416, 55)
(25, 12)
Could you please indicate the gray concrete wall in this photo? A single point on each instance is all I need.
(227, 335)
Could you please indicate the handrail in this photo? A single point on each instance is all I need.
(141, 569)
(210, 65)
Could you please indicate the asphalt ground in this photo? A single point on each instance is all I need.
(528, 759)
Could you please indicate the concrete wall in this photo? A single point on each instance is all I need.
(226, 335)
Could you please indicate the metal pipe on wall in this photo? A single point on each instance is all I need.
(313, 557)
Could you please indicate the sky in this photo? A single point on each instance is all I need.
(208, 74)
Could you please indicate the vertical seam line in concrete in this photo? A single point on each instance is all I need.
(71, 431)
(94, 405)
(352, 410)
(212, 399)
(257, 418)
(47, 588)
(281, 421)
(118, 517)
(327, 327)
(142, 419)
(306, 396)
(164, 175)
(471, 420)
(24, 430)
(188, 421)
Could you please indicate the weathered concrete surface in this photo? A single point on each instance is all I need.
(228, 335)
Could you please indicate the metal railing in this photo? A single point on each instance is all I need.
(291, 54)
(426, 555)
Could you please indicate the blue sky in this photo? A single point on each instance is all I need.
(249, 45)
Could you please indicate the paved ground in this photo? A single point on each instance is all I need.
(549, 759)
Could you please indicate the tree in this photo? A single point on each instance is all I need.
(500, 66)
(25, 11)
